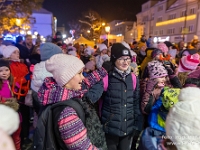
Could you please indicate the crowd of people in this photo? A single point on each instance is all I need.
(115, 96)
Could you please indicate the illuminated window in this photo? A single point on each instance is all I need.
(192, 11)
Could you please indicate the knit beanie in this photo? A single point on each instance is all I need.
(188, 63)
(90, 65)
(170, 97)
(6, 142)
(8, 50)
(156, 69)
(163, 47)
(126, 45)
(183, 120)
(156, 52)
(49, 49)
(9, 121)
(118, 50)
(63, 67)
(168, 44)
(102, 47)
(4, 63)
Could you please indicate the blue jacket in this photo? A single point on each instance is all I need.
(121, 113)
(153, 116)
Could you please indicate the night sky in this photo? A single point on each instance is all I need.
(67, 10)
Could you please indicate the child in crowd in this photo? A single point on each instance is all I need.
(47, 50)
(121, 102)
(9, 123)
(21, 75)
(182, 123)
(188, 67)
(103, 52)
(159, 76)
(152, 136)
(7, 96)
(67, 83)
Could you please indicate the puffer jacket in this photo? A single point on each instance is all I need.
(39, 74)
(149, 93)
(121, 112)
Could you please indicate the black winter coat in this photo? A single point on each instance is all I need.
(121, 113)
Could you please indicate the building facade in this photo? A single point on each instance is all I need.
(126, 29)
(43, 22)
(172, 20)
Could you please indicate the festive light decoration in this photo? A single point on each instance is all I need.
(69, 40)
(177, 20)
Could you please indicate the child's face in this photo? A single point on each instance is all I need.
(76, 82)
(123, 63)
(4, 73)
(160, 82)
(15, 56)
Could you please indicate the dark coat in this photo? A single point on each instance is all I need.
(121, 114)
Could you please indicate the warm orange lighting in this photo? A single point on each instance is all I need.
(177, 20)
(18, 22)
(107, 28)
(103, 24)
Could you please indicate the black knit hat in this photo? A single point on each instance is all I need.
(118, 50)
(4, 63)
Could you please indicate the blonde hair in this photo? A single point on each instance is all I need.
(182, 76)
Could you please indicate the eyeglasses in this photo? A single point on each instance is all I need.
(121, 60)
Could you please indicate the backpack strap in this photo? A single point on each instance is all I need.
(105, 83)
(134, 80)
(59, 107)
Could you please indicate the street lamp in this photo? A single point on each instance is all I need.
(107, 29)
(103, 24)
(88, 31)
(35, 33)
(29, 32)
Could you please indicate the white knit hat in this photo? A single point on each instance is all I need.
(102, 47)
(183, 120)
(63, 67)
(6, 142)
(8, 50)
(126, 45)
(9, 121)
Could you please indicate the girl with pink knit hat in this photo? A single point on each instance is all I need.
(188, 67)
(159, 77)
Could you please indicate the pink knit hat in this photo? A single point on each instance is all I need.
(163, 47)
(188, 63)
(156, 69)
(63, 67)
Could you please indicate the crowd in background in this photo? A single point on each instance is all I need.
(152, 91)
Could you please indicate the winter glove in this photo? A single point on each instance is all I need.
(28, 77)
